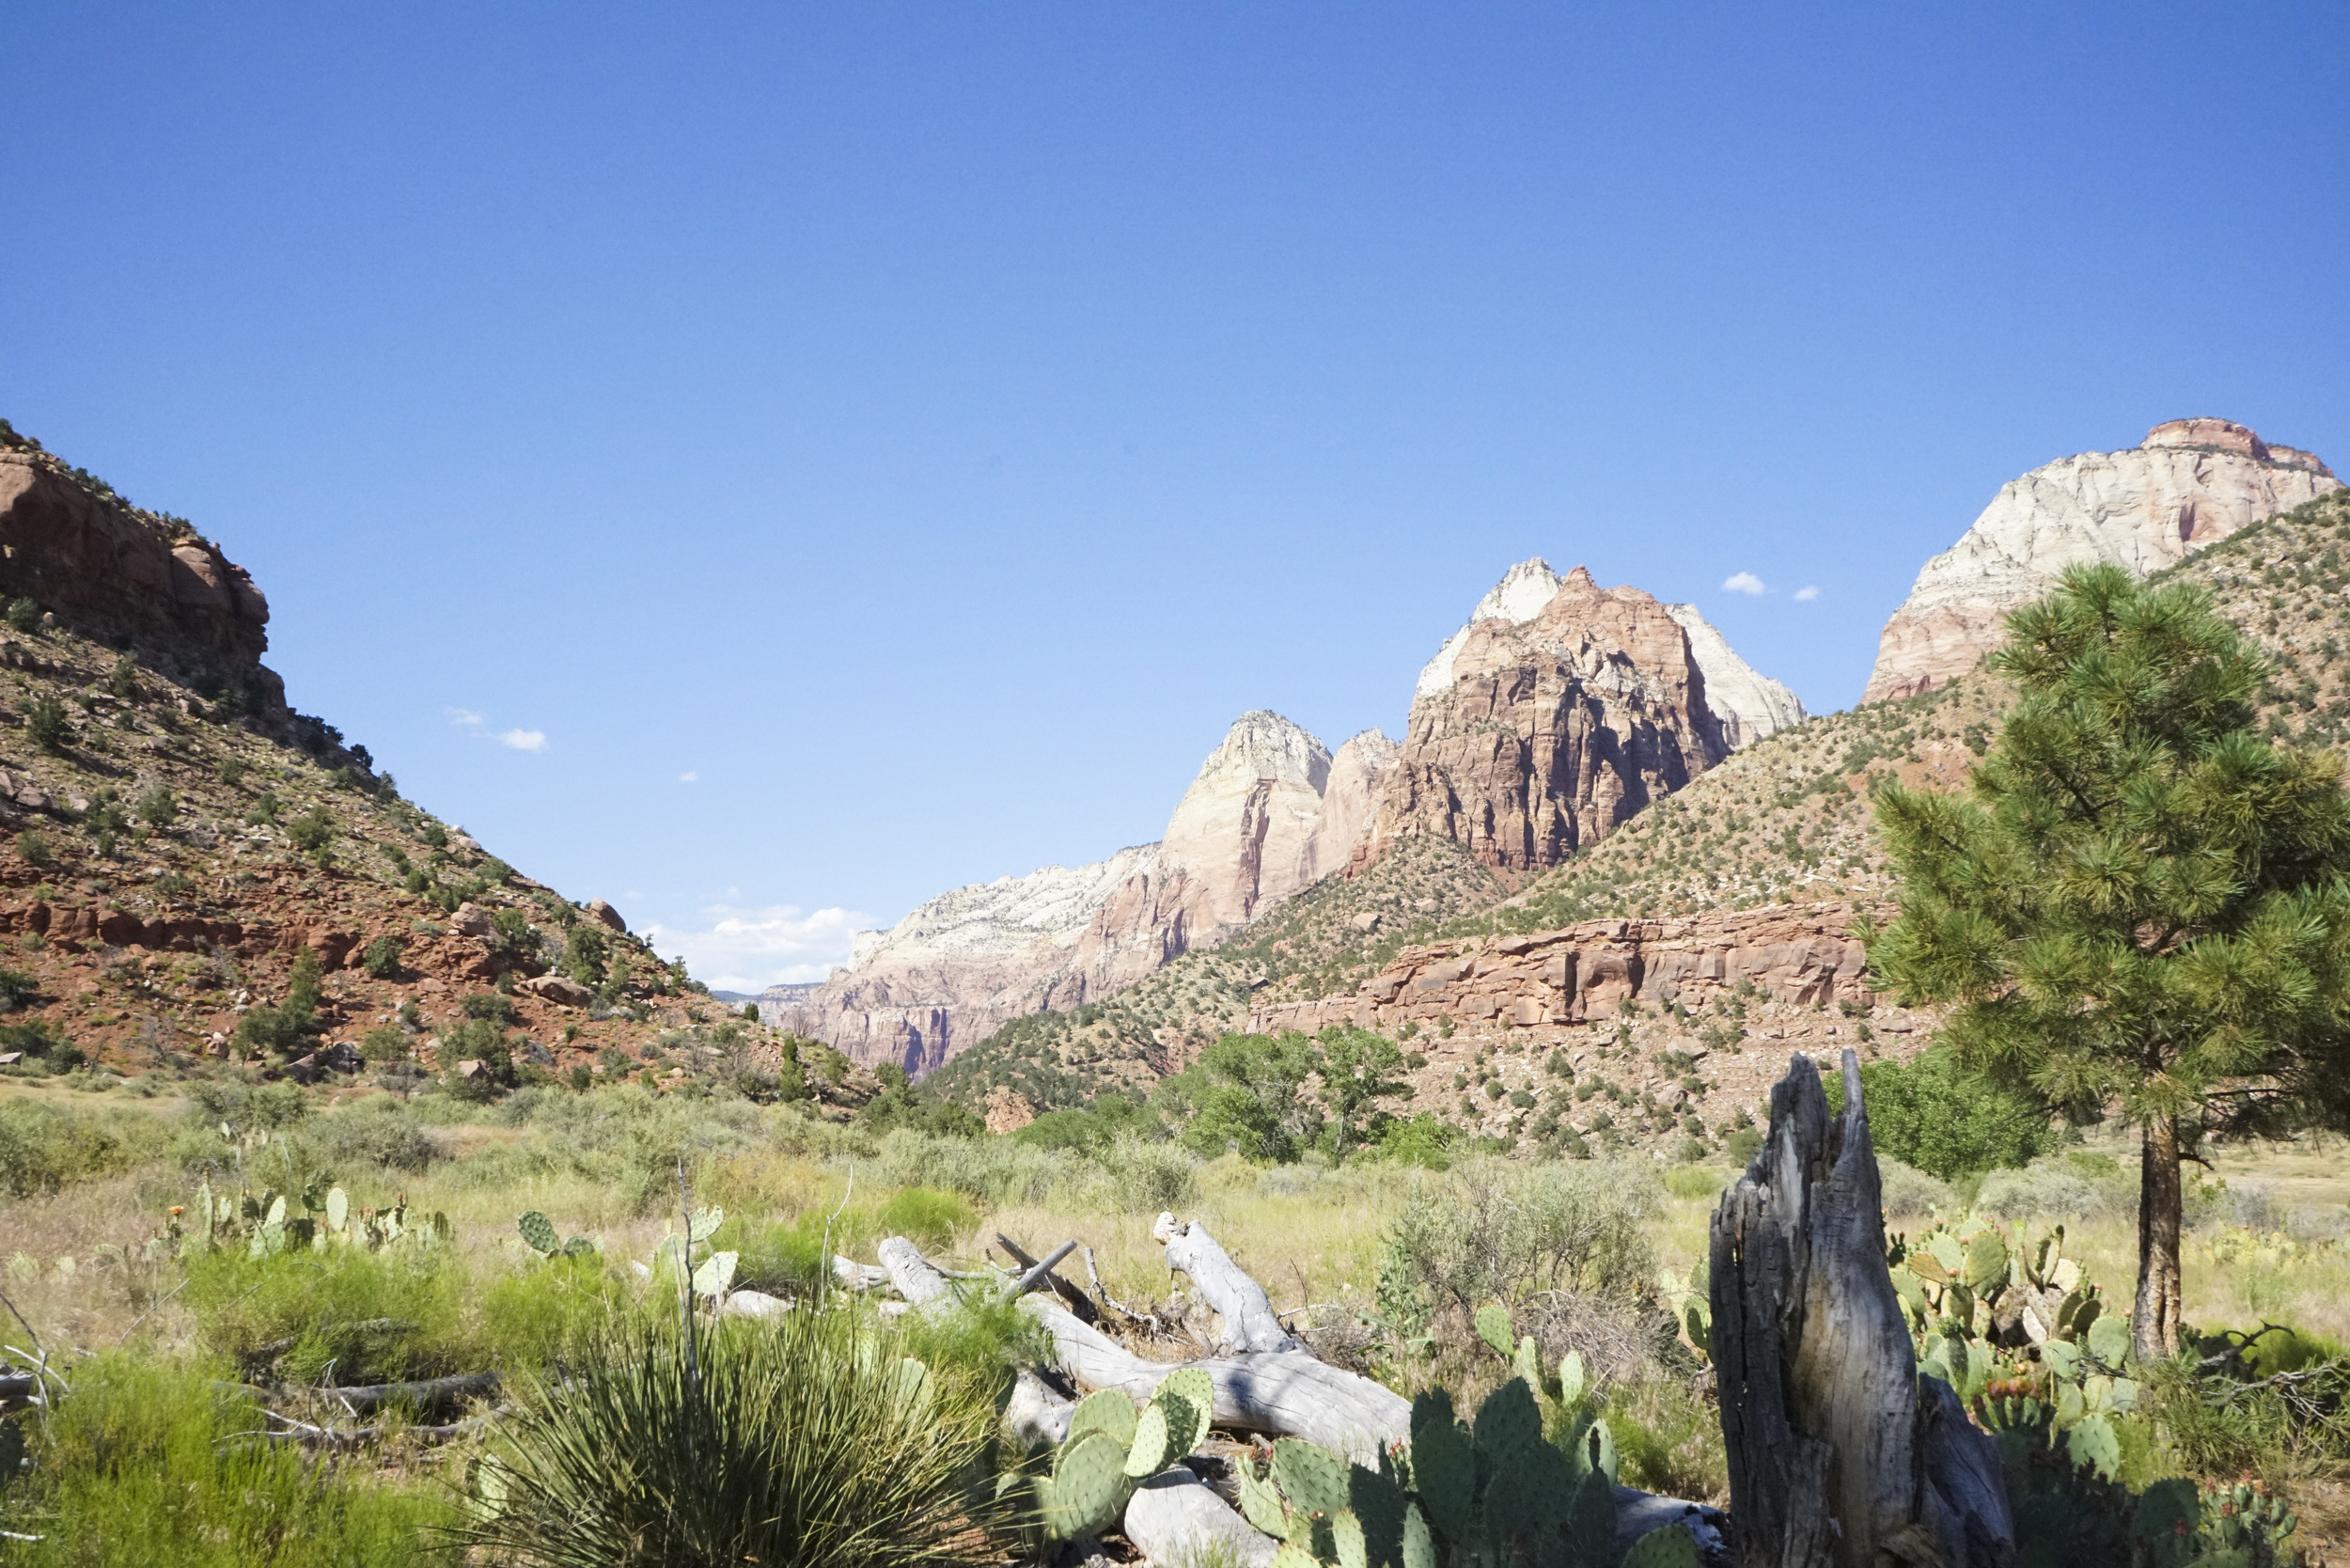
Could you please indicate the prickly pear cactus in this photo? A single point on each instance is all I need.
(1087, 1488)
(539, 1233)
(1667, 1547)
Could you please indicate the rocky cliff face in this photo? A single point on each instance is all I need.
(1749, 704)
(1245, 834)
(1239, 834)
(2190, 484)
(1359, 774)
(126, 578)
(1533, 734)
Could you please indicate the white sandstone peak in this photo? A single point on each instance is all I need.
(1240, 831)
(1518, 598)
(2192, 483)
(1749, 704)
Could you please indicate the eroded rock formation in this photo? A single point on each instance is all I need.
(1532, 735)
(2190, 484)
(126, 578)
(1796, 953)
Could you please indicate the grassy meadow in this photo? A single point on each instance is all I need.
(153, 1457)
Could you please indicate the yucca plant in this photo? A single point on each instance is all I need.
(808, 1441)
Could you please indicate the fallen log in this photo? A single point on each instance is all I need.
(1249, 1320)
(1284, 1393)
(1033, 1414)
(1177, 1521)
(430, 1394)
(1067, 1291)
(1838, 1452)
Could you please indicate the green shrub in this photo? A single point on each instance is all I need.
(158, 807)
(17, 987)
(376, 1132)
(377, 1317)
(313, 830)
(249, 1107)
(143, 1465)
(35, 846)
(488, 1007)
(804, 1443)
(232, 769)
(1934, 1115)
(45, 1149)
(384, 1043)
(25, 615)
(382, 957)
(926, 1217)
(482, 1041)
(45, 722)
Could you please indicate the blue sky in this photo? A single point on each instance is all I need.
(848, 451)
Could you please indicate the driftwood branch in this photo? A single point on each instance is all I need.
(1250, 1322)
(1839, 1454)
(1062, 1288)
(1039, 1271)
(1177, 1521)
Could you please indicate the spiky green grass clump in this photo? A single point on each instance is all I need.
(812, 1441)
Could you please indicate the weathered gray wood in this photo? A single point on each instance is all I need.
(753, 1304)
(1177, 1521)
(431, 1394)
(910, 1274)
(1287, 1393)
(855, 1275)
(1836, 1456)
(1250, 1322)
(1067, 1289)
(1033, 1414)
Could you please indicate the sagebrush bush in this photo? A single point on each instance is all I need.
(146, 1464)
(376, 1132)
(47, 1149)
(805, 1442)
(926, 1217)
(1908, 1191)
(2067, 1186)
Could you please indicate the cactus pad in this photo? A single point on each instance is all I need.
(538, 1233)
(337, 1209)
(2109, 1339)
(1444, 1466)
(1346, 1540)
(1570, 1378)
(1191, 1384)
(1260, 1501)
(1312, 1479)
(1492, 1327)
(1508, 1424)
(1378, 1503)
(1088, 1487)
(1108, 1412)
(715, 1275)
(1290, 1555)
(1151, 1451)
(1986, 1262)
(2092, 1443)
(1666, 1546)
(1590, 1529)
(1419, 1547)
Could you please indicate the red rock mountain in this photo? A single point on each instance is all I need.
(1533, 737)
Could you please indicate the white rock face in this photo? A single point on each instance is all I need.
(2192, 483)
(1350, 802)
(1240, 831)
(1518, 598)
(1749, 704)
(1248, 831)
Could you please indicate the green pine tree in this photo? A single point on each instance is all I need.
(2141, 912)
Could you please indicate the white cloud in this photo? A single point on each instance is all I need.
(1742, 582)
(464, 718)
(688, 777)
(1805, 595)
(748, 950)
(524, 739)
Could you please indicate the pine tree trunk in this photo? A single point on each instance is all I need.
(2154, 1327)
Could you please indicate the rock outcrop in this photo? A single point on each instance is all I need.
(1537, 729)
(1247, 833)
(2190, 484)
(1749, 704)
(126, 578)
(1239, 834)
(1800, 954)
(1358, 776)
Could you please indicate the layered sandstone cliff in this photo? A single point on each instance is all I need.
(127, 577)
(2190, 484)
(1243, 835)
(1749, 704)
(1533, 734)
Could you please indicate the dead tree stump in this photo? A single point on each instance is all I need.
(1838, 1454)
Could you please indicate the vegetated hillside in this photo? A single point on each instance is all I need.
(1318, 940)
(2281, 581)
(173, 838)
